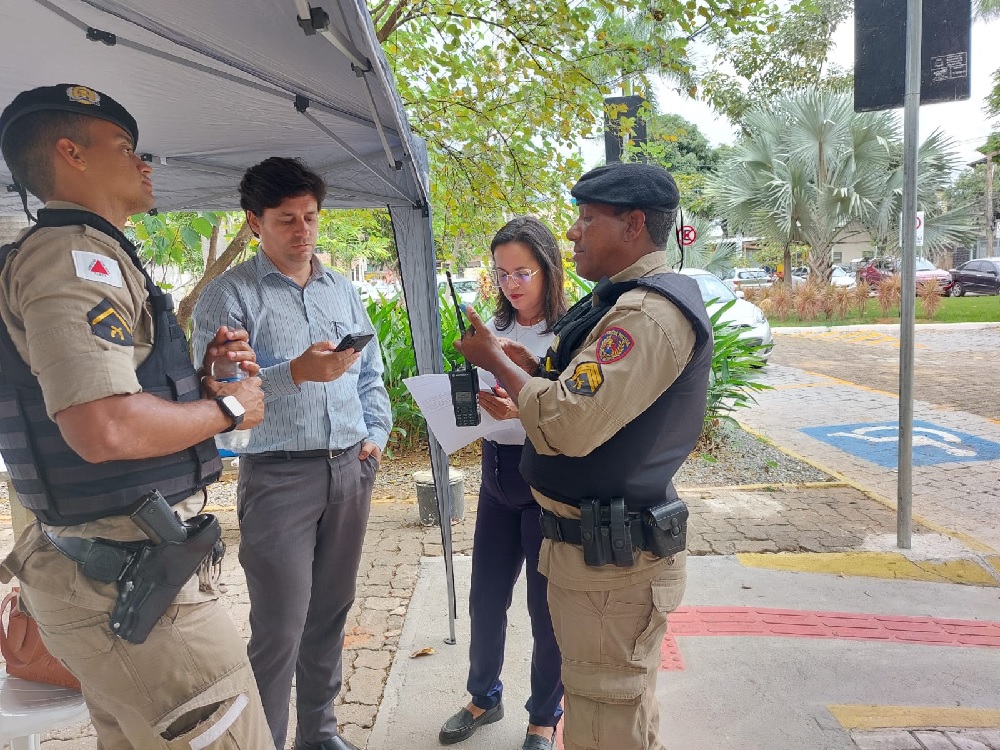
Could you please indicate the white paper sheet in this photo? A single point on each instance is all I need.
(433, 396)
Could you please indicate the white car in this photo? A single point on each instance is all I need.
(738, 279)
(838, 277)
(743, 316)
(466, 289)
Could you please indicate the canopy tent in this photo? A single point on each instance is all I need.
(218, 86)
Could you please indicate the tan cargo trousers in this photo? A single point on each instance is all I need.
(188, 686)
(610, 642)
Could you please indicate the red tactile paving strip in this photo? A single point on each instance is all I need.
(794, 623)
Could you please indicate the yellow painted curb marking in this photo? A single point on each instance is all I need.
(874, 565)
(914, 717)
(994, 560)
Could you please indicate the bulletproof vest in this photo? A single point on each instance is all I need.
(53, 481)
(640, 460)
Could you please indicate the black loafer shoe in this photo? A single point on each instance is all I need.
(537, 742)
(463, 725)
(334, 743)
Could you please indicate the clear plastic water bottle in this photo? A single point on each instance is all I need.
(235, 442)
(227, 371)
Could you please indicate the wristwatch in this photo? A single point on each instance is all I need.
(233, 409)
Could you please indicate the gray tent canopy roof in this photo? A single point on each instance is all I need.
(218, 86)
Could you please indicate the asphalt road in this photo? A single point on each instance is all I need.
(954, 367)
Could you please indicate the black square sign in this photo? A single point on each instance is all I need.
(880, 52)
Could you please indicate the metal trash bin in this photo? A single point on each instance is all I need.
(427, 497)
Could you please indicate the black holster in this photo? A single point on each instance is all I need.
(156, 574)
(666, 528)
(605, 533)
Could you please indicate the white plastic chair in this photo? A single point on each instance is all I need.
(29, 708)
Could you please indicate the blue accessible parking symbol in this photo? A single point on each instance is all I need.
(878, 442)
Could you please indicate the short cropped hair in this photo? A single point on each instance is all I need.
(658, 223)
(268, 184)
(29, 146)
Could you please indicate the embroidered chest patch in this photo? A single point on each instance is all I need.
(613, 345)
(106, 323)
(586, 379)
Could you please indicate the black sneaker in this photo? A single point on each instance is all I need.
(463, 725)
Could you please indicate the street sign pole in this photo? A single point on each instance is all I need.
(911, 132)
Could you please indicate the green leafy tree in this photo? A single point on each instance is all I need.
(503, 91)
(750, 69)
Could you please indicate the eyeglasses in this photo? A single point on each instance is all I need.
(517, 277)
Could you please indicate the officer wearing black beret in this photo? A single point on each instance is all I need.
(611, 413)
(101, 405)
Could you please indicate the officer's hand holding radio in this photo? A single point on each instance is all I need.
(482, 348)
(322, 363)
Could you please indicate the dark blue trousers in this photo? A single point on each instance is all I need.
(508, 534)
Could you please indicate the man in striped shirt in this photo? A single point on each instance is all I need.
(306, 477)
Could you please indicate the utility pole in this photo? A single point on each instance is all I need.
(990, 223)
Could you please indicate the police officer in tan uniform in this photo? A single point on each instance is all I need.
(100, 405)
(611, 413)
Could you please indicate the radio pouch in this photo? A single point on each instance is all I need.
(666, 527)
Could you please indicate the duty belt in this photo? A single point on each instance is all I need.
(568, 529)
(101, 559)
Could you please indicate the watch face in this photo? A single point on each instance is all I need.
(234, 406)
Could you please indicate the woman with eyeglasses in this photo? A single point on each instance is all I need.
(528, 273)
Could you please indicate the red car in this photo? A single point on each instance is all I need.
(880, 268)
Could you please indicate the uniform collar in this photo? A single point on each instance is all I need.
(650, 263)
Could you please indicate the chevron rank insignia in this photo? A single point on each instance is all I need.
(586, 380)
(106, 323)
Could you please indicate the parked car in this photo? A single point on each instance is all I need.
(738, 279)
(838, 277)
(744, 316)
(466, 289)
(979, 276)
(881, 268)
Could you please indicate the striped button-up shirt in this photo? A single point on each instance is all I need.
(283, 320)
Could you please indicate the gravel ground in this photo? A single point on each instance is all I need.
(738, 459)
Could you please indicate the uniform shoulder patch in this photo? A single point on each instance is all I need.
(97, 267)
(613, 345)
(108, 324)
(586, 379)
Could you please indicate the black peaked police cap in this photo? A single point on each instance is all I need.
(628, 185)
(68, 97)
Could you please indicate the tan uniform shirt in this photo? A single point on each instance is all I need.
(560, 421)
(49, 291)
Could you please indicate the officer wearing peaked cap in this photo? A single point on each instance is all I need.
(99, 406)
(611, 413)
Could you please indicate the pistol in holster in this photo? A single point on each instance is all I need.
(606, 534)
(157, 571)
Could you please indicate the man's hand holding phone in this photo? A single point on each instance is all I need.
(324, 362)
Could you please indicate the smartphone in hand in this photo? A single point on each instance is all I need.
(355, 341)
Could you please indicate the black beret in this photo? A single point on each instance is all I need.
(628, 185)
(68, 97)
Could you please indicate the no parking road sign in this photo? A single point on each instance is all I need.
(688, 235)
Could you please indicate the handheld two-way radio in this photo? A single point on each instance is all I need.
(464, 382)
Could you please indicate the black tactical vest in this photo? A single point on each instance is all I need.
(640, 460)
(54, 482)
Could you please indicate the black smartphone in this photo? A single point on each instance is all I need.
(355, 341)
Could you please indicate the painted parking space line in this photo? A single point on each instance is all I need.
(868, 338)
(914, 717)
(878, 442)
(887, 565)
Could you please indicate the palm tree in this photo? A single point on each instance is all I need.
(808, 166)
(944, 227)
(715, 258)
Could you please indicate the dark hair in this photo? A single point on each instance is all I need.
(658, 223)
(29, 143)
(532, 233)
(267, 184)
